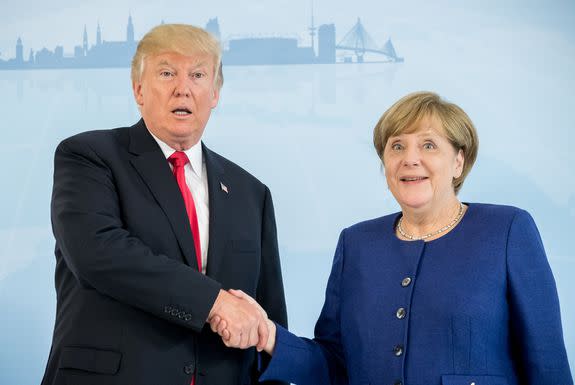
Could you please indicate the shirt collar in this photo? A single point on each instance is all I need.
(194, 154)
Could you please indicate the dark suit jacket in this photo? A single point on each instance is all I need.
(131, 305)
(480, 307)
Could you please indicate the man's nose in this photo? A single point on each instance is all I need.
(182, 87)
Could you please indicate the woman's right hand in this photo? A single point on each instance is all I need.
(269, 348)
(220, 326)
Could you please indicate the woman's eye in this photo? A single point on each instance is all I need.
(429, 146)
(396, 146)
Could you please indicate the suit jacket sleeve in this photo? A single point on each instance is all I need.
(535, 317)
(270, 292)
(319, 361)
(103, 255)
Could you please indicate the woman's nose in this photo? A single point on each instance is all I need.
(412, 156)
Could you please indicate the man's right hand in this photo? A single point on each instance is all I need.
(245, 321)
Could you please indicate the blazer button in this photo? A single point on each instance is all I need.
(174, 312)
(398, 350)
(189, 369)
(398, 383)
(188, 317)
(405, 282)
(400, 313)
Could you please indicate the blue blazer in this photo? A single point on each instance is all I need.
(476, 306)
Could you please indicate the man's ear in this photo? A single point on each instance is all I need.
(137, 88)
(215, 96)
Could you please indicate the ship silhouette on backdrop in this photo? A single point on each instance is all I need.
(355, 47)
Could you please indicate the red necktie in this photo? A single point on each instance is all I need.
(178, 160)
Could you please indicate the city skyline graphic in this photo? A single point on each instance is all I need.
(357, 46)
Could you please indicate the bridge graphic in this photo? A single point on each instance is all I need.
(359, 42)
(354, 47)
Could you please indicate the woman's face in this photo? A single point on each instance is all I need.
(420, 166)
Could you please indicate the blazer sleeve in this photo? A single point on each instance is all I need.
(319, 361)
(535, 318)
(103, 255)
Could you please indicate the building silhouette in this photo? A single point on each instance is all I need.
(19, 51)
(266, 51)
(98, 35)
(85, 41)
(326, 44)
(213, 27)
(130, 30)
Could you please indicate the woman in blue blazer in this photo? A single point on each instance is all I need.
(442, 293)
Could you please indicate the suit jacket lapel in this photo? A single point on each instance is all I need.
(153, 167)
(218, 200)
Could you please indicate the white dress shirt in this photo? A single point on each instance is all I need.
(197, 181)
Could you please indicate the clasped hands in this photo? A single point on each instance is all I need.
(241, 322)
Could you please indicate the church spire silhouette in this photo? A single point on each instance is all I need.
(19, 51)
(130, 30)
(98, 34)
(85, 41)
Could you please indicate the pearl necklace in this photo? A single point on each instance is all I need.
(441, 230)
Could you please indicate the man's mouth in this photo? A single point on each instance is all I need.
(181, 111)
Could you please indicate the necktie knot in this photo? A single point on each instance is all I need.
(178, 159)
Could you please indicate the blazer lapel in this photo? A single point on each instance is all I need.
(153, 167)
(219, 201)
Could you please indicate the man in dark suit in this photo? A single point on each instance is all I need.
(152, 228)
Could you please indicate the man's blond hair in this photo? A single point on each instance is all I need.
(183, 39)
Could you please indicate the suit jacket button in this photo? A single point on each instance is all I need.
(189, 369)
(405, 282)
(398, 350)
(188, 317)
(400, 313)
(174, 312)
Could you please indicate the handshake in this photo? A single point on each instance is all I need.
(241, 322)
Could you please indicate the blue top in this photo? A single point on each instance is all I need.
(477, 305)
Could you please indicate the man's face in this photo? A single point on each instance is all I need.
(176, 94)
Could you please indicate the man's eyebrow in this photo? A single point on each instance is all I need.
(200, 64)
(195, 66)
(164, 63)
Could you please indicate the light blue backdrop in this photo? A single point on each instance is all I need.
(305, 130)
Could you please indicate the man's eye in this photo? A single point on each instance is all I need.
(198, 75)
(166, 74)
